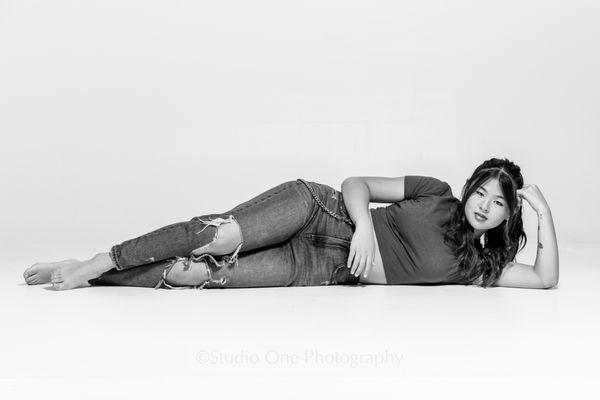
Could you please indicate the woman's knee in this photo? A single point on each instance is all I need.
(227, 236)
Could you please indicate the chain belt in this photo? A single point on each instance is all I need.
(324, 207)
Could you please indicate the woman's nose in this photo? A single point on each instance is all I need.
(484, 206)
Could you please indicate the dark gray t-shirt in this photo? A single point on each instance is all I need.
(410, 233)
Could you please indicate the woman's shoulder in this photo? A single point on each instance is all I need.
(424, 185)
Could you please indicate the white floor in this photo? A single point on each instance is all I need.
(453, 341)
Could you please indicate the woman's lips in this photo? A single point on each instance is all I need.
(480, 217)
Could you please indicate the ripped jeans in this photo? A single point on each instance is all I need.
(297, 233)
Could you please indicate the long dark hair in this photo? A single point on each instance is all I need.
(501, 244)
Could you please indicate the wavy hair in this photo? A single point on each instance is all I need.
(501, 244)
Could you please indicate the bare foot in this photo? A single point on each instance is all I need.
(39, 273)
(186, 272)
(77, 274)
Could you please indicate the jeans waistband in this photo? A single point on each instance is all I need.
(323, 206)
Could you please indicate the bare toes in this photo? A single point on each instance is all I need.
(29, 271)
(56, 276)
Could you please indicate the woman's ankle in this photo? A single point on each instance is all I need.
(104, 261)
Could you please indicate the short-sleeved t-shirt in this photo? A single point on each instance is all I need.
(410, 233)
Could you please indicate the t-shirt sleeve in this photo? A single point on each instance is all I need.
(417, 186)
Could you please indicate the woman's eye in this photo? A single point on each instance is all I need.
(481, 194)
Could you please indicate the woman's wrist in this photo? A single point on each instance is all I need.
(364, 223)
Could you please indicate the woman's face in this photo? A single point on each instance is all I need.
(488, 201)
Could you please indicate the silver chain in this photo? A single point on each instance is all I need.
(320, 203)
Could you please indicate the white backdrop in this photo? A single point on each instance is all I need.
(118, 117)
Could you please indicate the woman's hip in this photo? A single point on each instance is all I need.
(324, 244)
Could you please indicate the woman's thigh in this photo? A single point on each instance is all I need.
(267, 219)
(273, 216)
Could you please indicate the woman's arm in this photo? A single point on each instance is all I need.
(379, 189)
(356, 199)
(362, 247)
(546, 260)
(358, 192)
(544, 273)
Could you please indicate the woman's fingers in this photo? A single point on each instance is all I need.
(353, 261)
(362, 265)
(351, 257)
(356, 264)
(369, 267)
(359, 263)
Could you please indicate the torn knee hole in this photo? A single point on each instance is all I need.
(185, 282)
(216, 246)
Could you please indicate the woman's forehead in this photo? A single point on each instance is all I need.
(492, 186)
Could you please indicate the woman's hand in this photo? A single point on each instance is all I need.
(362, 250)
(534, 197)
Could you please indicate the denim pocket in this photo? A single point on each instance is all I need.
(321, 240)
(329, 256)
